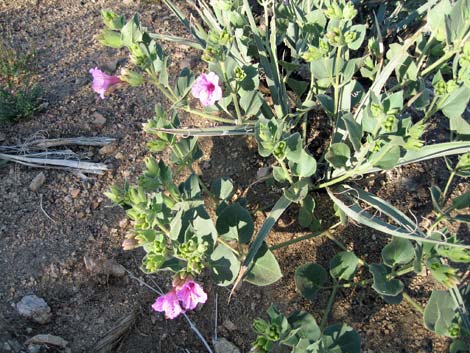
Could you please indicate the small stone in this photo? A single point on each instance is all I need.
(98, 119)
(223, 345)
(37, 182)
(48, 340)
(229, 325)
(262, 172)
(123, 223)
(108, 149)
(2, 137)
(74, 193)
(206, 165)
(119, 155)
(34, 308)
(34, 348)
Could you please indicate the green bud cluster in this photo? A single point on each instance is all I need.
(389, 123)
(376, 109)
(217, 43)
(193, 252)
(312, 54)
(152, 262)
(341, 12)
(239, 74)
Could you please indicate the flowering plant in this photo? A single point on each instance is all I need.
(270, 74)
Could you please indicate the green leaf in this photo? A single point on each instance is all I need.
(360, 34)
(235, 223)
(303, 326)
(354, 131)
(265, 269)
(298, 191)
(184, 82)
(387, 157)
(398, 252)
(294, 147)
(306, 215)
(440, 313)
(327, 103)
(462, 201)
(225, 265)
(456, 103)
(279, 174)
(343, 265)
(338, 154)
(306, 166)
(131, 33)
(382, 285)
(278, 209)
(309, 279)
(436, 18)
(222, 188)
(339, 338)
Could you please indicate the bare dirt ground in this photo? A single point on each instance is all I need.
(44, 255)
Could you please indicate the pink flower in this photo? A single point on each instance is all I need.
(103, 83)
(206, 88)
(190, 294)
(169, 304)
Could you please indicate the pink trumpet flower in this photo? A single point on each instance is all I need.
(206, 88)
(169, 304)
(102, 82)
(191, 294)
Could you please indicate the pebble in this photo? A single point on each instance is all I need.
(37, 182)
(98, 119)
(222, 345)
(119, 155)
(74, 193)
(108, 149)
(229, 325)
(34, 308)
(2, 137)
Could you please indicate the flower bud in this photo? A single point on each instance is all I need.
(239, 74)
(110, 38)
(112, 20)
(349, 12)
(130, 243)
(131, 77)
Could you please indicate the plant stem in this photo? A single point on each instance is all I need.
(446, 189)
(324, 319)
(413, 303)
(284, 168)
(337, 85)
(208, 116)
(228, 246)
(304, 237)
(438, 62)
(233, 94)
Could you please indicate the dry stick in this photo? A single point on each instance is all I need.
(87, 167)
(42, 209)
(160, 292)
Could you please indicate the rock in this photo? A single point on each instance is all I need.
(34, 308)
(98, 119)
(119, 155)
(229, 325)
(223, 345)
(74, 193)
(48, 339)
(34, 348)
(108, 149)
(2, 137)
(104, 266)
(37, 182)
